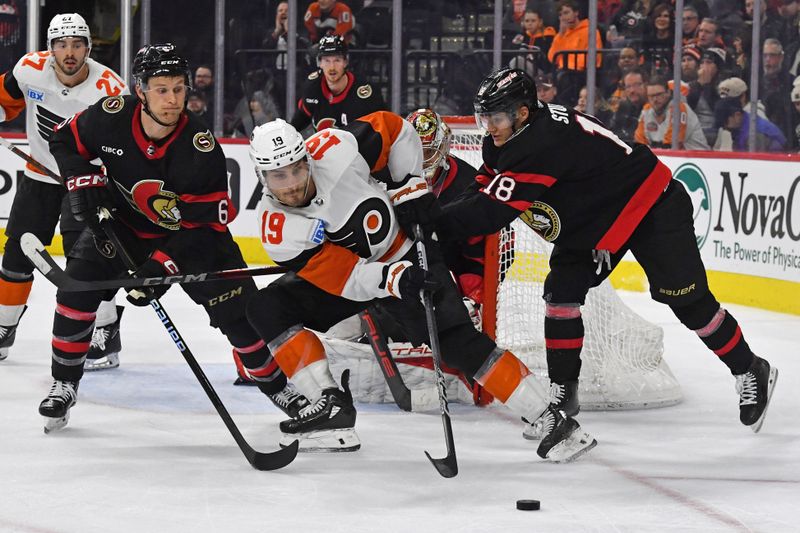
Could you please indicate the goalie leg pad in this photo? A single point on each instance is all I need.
(509, 380)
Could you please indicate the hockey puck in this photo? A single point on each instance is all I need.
(528, 505)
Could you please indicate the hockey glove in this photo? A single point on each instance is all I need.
(405, 281)
(423, 210)
(159, 264)
(87, 194)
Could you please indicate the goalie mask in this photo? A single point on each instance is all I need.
(68, 25)
(435, 135)
(500, 95)
(279, 154)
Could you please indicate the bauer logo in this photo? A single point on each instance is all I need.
(696, 184)
(33, 94)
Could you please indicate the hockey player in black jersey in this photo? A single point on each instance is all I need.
(333, 97)
(595, 197)
(165, 180)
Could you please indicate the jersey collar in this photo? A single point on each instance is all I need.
(150, 149)
(335, 99)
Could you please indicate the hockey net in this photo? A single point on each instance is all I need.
(623, 365)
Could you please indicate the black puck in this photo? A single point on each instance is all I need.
(528, 505)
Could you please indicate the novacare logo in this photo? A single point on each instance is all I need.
(695, 183)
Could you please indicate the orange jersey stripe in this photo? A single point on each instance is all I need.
(12, 106)
(14, 293)
(503, 378)
(300, 350)
(330, 268)
(396, 245)
(388, 126)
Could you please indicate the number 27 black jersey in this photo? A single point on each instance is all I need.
(571, 179)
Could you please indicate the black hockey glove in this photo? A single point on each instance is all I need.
(423, 210)
(411, 280)
(87, 194)
(159, 264)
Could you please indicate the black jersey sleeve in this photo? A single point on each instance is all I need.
(306, 104)
(73, 145)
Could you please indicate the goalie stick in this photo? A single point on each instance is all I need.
(377, 341)
(35, 251)
(446, 466)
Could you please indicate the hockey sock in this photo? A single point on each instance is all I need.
(718, 330)
(72, 334)
(301, 356)
(14, 291)
(509, 380)
(106, 313)
(258, 364)
(563, 334)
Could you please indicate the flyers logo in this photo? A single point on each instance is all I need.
(150, 199)
(366, 228)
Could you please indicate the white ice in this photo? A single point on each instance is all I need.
(145, 451)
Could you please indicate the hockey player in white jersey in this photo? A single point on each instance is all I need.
(52, 85)
(343, 235)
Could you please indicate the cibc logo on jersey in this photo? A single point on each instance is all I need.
(149, 198)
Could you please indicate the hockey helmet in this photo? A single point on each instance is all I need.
(159, 60)
(275, 145)
(68, 25)
(331, 45)
(503, 91)
(435, 135)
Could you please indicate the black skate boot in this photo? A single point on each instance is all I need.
(105, 347)
(563, 397)
(289, 400)
(55, 408)
(326, 425)
(7, 336)
(755, 389)
(564, 440)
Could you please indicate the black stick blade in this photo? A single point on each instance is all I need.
(274, 460)
(447, 466)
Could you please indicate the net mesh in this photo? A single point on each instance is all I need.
(623, 365)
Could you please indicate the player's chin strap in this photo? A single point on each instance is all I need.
(146, 109)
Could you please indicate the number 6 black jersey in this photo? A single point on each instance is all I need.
(571, 179)
(179, 182)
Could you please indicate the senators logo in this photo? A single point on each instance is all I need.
(204, 141)
(325, 123)
(113, 105)
(150, 199)
(365, 91)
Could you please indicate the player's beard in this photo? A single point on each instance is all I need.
(70, 65)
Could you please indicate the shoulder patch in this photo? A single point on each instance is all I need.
(314, 75)
(204, 141)
(365, 91)
(317, 232)
(113, 105)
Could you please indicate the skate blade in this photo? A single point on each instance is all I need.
(773, 379)
(533, 431)
(102, 363)
(571, 448)
(3, 353)
(324, 441)
(55, 424)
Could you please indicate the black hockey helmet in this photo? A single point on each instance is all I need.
(504, 90)
(331, 45)
(159, 60)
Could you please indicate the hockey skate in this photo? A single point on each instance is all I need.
(564, 440)
(289, 400)
(327, 425)
(7, 336)
(55, 408)
(563, 397)
(755, 389)
(105, 347)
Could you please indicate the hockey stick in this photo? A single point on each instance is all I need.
(30, 160)
(448, 465)
(35, 251)
(259, 460)
(377, 341)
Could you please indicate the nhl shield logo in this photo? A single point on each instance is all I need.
(543, 219)
(204, 141)
(113, 105)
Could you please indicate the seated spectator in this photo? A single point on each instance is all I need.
(573, 34)
(796, 113)
(261, 109)
(612, 79)
(204, 83)
(703, 94)
(691, 20)
(535, 36)
(690, 63)
(631, 20)
(775, 86)
(196, 103)
(626, 118)
(737, 88)
(771, 24)
(741, 45)
(659, 37)
(655, 122)
(734, 123)
(546, 90)
(792, 52)
(708, 35)
(601, 109)
(329, 17)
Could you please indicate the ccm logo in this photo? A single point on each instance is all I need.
(111, 150)
(92, 180)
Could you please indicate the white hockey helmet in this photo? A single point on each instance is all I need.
(436, 136)
(68, 25)
(275, 145)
